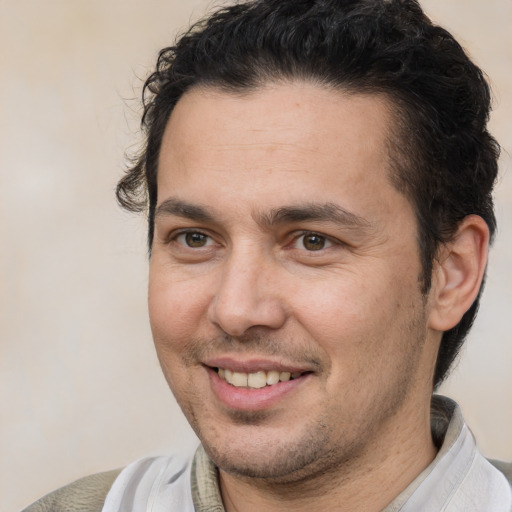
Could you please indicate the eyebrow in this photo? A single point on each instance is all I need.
(183, 209)
(309, 212)
(315, 212)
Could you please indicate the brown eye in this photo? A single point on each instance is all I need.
(314, 242)
(194, 239)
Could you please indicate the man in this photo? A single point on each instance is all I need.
(318, 179)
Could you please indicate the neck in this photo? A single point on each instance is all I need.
(369, 481)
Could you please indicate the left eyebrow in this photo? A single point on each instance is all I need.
(313, 212)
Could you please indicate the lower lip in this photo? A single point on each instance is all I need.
(248, 399)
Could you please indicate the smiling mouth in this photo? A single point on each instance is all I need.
(256, 380)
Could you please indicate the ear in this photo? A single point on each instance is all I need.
(458, 273)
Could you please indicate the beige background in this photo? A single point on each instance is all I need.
(80, 387)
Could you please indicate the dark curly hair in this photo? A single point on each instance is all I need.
(442, 156)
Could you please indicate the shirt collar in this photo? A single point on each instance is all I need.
(205, 483)
(446, 424)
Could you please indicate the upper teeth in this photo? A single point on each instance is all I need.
(257, 379)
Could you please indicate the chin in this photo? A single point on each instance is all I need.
(286, 457)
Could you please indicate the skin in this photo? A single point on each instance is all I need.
(280, 242)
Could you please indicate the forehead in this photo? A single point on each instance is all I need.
(306, 138)
(290, 113)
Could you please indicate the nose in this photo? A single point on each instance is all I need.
(247, 296)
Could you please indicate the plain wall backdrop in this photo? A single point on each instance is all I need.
(80, 387)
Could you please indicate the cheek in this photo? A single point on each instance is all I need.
(175, 312)
(340, 305)
(356, 322)
(177, 308)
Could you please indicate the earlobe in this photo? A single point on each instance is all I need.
(458, 273)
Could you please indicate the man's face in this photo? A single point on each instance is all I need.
(282, 249)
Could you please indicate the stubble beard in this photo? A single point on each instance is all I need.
(319, 449)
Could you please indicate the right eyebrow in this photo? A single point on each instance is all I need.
(183, 209)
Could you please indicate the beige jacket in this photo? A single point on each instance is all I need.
(85, 495)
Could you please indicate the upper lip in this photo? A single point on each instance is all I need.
(254, 365)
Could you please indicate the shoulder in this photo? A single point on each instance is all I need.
(85, 495)
(504, 467)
